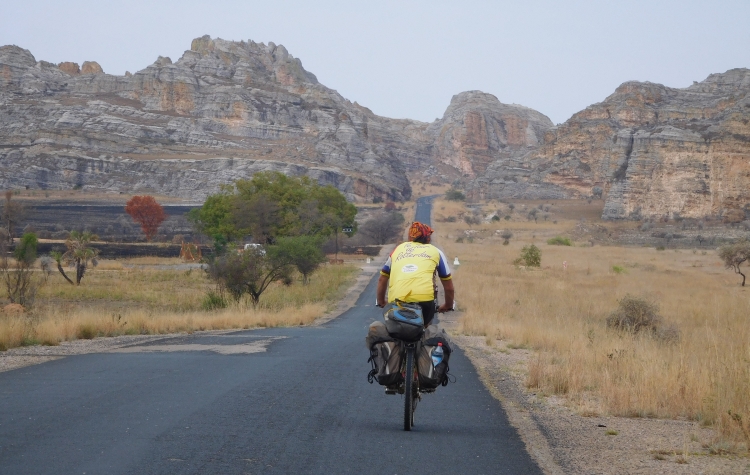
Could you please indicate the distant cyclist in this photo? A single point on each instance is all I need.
(408, 273)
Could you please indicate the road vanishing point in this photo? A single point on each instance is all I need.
(271, 401)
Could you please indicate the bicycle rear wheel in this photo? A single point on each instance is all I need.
(409, 389)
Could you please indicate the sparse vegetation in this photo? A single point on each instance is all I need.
(559, 241)
(560, 315)
(454, 195)
(734, 255)
(531, 256)
(154, 300)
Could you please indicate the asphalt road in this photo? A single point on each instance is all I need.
(207, 404)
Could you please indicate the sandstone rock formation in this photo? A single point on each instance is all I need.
(91, 67)
(477, 129)
(71, 68)
(226, 110)
(655, 151)
(221, 112)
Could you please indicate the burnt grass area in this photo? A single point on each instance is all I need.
(55, 219)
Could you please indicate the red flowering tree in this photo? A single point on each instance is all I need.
(147, 213)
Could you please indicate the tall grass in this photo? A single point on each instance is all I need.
(144, 301)
(561, 315)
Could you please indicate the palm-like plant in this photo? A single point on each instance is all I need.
(79, 254)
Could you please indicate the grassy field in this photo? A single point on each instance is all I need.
(149, 295)
(559, 312)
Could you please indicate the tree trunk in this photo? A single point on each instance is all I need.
(59, 267)
(743, 277)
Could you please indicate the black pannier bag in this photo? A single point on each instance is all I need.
(404, 321)
(431, 376)
(385, 356)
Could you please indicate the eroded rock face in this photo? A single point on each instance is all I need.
(477, 129)
(221, 112)
(655, 151)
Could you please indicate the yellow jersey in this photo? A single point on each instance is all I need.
(410, 268)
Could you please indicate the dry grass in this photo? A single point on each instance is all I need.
(121, 300)
(561, 315)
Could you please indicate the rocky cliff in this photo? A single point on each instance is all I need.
(226, 110)
(223, 111)
(654, 151)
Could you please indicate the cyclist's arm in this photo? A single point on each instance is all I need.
(385, 274)
(382, 287)
(449, 294)
(444, 272)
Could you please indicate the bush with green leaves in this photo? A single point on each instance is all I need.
(531, 256)
(19, 279)
(272, 205)
(559, 241)
(454, 195)
(303, 252)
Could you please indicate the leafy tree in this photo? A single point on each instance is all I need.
(454, 195)
(78, 254)
(531, 256)
(18, 278)
(303, 252)
(272, 205)
(250, 272)
(734, 255)
(147, 213)
(383, 227)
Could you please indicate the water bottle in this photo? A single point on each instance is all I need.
(437, 354)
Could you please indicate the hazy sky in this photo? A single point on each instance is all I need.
(408, 58)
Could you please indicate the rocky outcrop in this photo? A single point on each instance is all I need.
(221, 112)
(477, 129)
(654, 151)
(71, 68)
(91, 67)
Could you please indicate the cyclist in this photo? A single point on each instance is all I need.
(408, 274)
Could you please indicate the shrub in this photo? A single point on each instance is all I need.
(506, 235)
(213, 301)
(87, 331)
(454, 195)
(531, 256)
(559, 241)
(635, 314)
(496, 218)
(618, 269)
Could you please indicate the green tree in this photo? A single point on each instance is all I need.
(454, 195)
(303, 252)
(531, 256)
(250, 272)
(79, 254)
(734, 255)
(272, 205)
